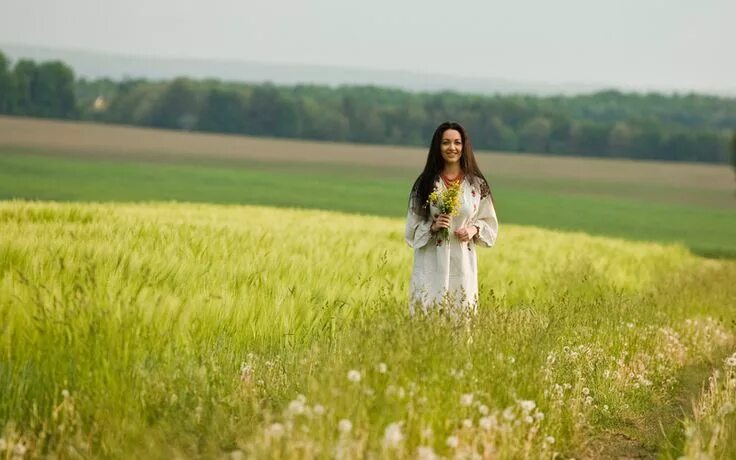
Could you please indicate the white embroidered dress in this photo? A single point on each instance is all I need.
(446, 272)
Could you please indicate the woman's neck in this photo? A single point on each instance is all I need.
(452, 171)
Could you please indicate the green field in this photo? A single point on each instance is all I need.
(193, 330)
(177, 295)
(639, 212)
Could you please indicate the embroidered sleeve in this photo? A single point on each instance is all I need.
(417, 233)
(486, 221)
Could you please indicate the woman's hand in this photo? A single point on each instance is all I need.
(442, 221)
(466, 233)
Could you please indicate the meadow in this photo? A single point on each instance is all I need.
(175, 295)
(193, 330)
(648, 201)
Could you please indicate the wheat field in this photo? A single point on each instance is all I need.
(186, 330)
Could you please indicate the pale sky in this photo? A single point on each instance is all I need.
(654, 44)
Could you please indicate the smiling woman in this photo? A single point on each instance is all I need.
(451, 211)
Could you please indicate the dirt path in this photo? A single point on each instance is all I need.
(659, 434)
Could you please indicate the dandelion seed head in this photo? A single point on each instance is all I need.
(466, 399)
(345, 426)
(65, 393)
(486, 423)
(452, 442)
(382, 368)
(19, 450)
(726, 409)
(354, 376)
(426, 453)
(483, 409)
(296, 407)
(276, 430)
(468, 423)
(549, 440)
(393, 436)
(527, 405)
(318, 409)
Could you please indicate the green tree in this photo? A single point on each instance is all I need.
(534, 135)
(7, 89)
(24, 76)
(53, 91)
(733, 151)
(223, 110)
(271, 113)
(620, 138)
(177, 107)
(500, 136)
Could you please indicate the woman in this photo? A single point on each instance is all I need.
(445, 273)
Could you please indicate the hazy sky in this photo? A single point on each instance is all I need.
(675, 44)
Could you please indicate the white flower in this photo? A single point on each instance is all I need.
(468, 423)
(452, 442)
(539, 415)
(354, 376)
(529, 419)
(382, 368)
(589, 400)
(246, 372)
(605, 407)
(725, 409)
(586, 391)
(527, 405)
(19, 450)
(296, 407)
(466, 399)
(276, 430)
(508, 413)
(65, 393)
(549, 440)
(483, 409)
(345, 426)
(318, 409)
(731, 360)
(486, 423)
(392, 436)
(426, 453)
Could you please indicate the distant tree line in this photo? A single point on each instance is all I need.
(37, 90)
(605, 124)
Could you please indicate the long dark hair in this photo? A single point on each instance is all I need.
(424, 184)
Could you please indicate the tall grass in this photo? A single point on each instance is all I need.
(199, 330)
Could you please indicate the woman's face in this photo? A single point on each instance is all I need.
(451, 146)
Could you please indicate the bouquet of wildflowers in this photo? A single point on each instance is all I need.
(447, 201)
